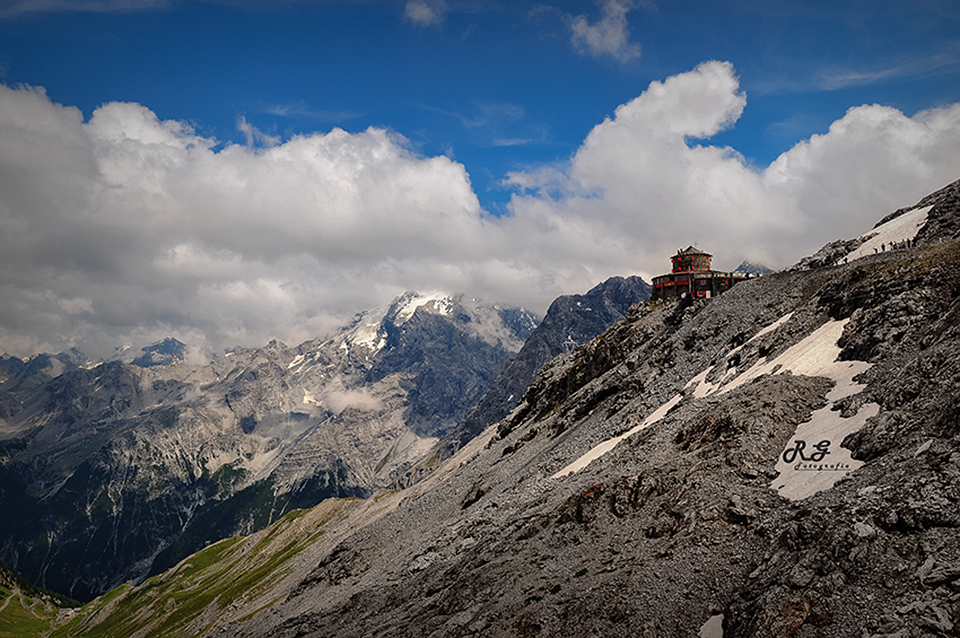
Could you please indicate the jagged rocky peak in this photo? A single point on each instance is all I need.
(15, 372)
(404, 306)
(373, 330)
(161, 353)
(752, 268)
(571, 320)
(520, 320)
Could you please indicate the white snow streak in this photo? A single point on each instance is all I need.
(368, 336)
(814, 356)
(702, 388)
(900, 229)
(609, 444)
(441, 303)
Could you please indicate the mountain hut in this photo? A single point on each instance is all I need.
(692, 276)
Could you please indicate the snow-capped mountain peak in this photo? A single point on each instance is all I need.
(436, 302)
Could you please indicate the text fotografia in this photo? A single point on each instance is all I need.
(822, 467)
(813, 461)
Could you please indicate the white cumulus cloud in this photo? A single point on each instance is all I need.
(157, 230)
(645, 183)
(124, 228)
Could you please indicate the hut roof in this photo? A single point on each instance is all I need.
(690, 250)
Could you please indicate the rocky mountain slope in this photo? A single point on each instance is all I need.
(570, 321)
(783, 460)
(118, 469)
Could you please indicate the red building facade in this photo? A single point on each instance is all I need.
(691, 276)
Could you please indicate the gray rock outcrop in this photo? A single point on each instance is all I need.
(570, 321)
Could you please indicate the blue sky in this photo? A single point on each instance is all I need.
(497, 86)
(517, 146)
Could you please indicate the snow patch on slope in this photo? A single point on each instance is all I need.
(815, 356)
(701, 389)
(801, 478)
(713, 628)
(368, 336)
(366, 333)
(899, 229)
(609, 444)
(439, 302)
(813, 460)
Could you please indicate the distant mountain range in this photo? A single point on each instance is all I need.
(124, 467)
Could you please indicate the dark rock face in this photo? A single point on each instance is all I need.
(570, 321)
(449, 369)
(943, 224)
(164, 353)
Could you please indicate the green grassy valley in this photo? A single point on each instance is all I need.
(207, 587)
